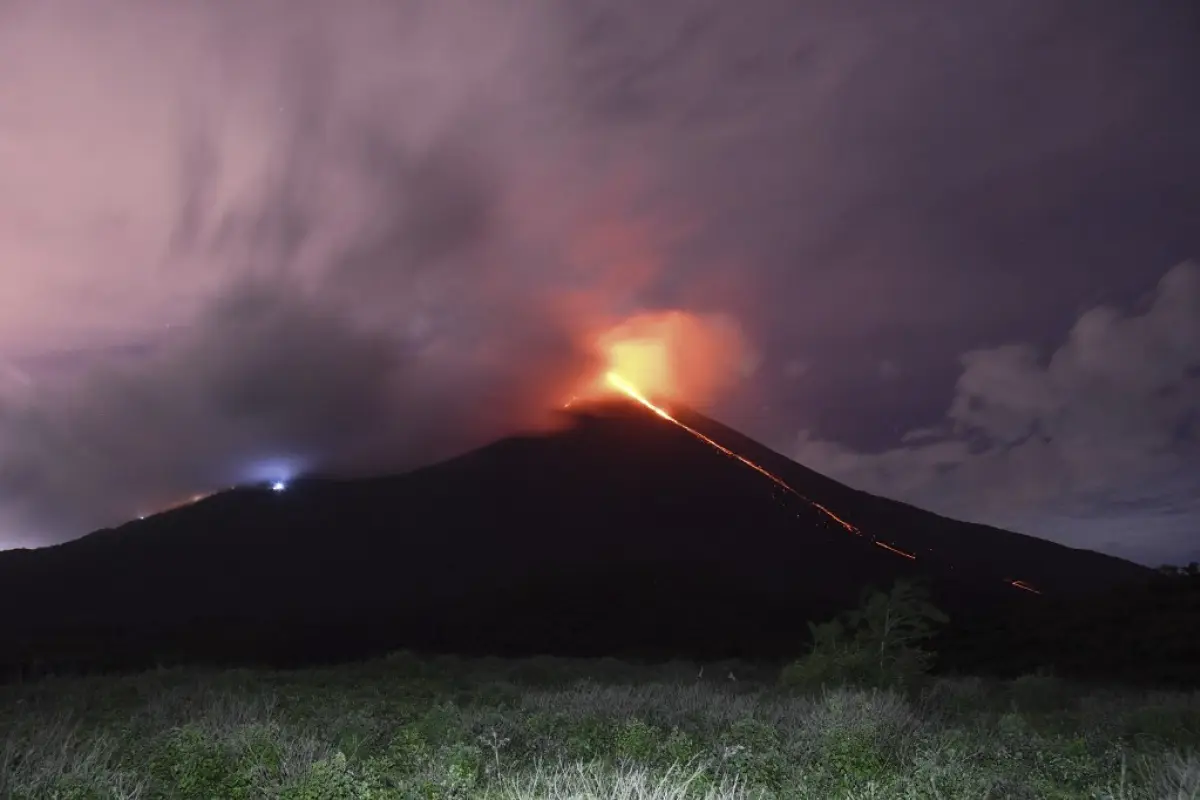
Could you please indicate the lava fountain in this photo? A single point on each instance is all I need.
(669, 356)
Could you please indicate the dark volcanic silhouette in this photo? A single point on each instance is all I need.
(621, 535)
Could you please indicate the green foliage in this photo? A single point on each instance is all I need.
(409, 733)
(461, 765)
(200, 765)
(679, 748)
(852, 758)
(407, 752)
(70, 787)
(636, 741)
(590, 738)
(876, 644)
(834, 657)
(753, 751)
(1160, 723)
(324, 780)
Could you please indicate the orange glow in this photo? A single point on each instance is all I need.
(671, 356)
(620, 383)
(895, 550)
(627, 388)
(655, 359)
(836, 518)
(624, 386)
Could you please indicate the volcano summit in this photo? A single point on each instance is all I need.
(626, 532)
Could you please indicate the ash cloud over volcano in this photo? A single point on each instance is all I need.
(341, 247)
(242, 241)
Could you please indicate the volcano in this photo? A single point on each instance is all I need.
(622, 533)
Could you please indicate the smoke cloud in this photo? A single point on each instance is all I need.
(293, 238)
(239, 241)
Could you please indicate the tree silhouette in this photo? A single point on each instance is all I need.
(878, 643)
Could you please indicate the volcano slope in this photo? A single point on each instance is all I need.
(621, 534)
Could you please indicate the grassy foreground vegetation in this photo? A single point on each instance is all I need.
(405, 727)
(857, 717)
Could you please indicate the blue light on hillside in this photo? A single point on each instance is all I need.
(274, 474)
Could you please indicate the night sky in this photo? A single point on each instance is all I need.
(955, 240)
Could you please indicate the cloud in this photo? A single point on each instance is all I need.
(260, 240)
(1096, 444)
(213, 211)
(795, 368)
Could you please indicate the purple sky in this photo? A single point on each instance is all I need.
(240, 239)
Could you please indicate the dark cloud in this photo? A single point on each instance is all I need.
(357, 306)
(269, 382)
(1096, 442)
(303, 233)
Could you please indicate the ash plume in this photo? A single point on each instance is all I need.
(333, 248)
(239, 241)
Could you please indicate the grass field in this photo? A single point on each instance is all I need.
(405, 727)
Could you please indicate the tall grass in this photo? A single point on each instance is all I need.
(444, 728)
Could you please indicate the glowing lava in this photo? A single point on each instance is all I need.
(678, 356)
(621, 385)
(629, 390)
(895, 550)
(669, 355)
(625, 387)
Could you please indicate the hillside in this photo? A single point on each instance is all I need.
(621, 534)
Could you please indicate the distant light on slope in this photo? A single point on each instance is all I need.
(267, 471)
(196, 498)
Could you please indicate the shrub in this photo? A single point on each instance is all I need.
(636, 741)
(198, 764)
(877, 644)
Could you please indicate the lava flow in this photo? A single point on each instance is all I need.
(629, 390)
(675, 354)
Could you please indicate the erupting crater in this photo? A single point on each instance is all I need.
(655, 358)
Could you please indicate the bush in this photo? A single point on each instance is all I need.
(875, 645)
